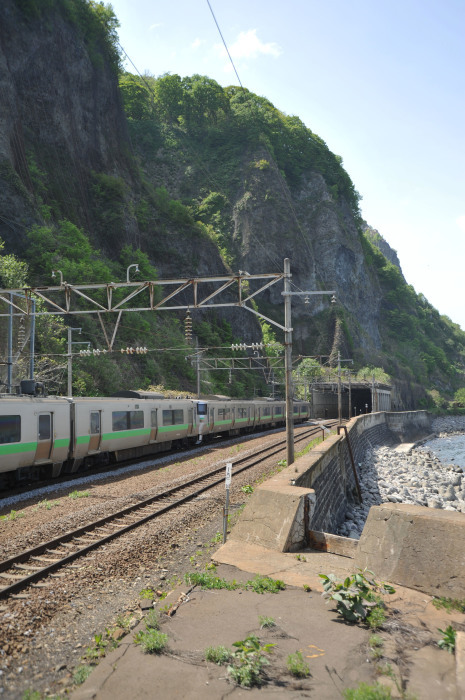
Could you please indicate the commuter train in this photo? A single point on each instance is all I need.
(51, 435)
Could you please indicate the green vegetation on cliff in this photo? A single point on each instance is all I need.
(194, 179)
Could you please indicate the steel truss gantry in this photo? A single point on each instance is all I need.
(105, 299)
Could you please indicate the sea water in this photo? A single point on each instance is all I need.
(449, 450)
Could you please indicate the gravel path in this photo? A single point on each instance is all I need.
(418, 477)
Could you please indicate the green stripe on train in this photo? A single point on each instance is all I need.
(15, 448)
(136, 432)
(18, 447)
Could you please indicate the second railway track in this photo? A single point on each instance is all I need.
(33, 565)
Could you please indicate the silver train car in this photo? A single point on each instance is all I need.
(45, 436)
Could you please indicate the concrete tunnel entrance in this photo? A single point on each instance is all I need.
(356, 399)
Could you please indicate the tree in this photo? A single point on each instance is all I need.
(168, 95)
(137, 97)
(13, 272)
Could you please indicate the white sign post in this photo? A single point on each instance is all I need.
(226, 508)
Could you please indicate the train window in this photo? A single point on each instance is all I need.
(178, 416)
(266, 411)
(10, 429)
(136, 419)
(202, 409)
(153, 418)
(44, 427)
(127, 420)
(242, 413)
(119, 420)
(95, 423)
(167, 417)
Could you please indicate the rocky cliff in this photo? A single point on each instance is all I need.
(203, 181)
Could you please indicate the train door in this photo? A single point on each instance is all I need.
(95, 431)
(44, 437)
(153, 424)
(190, 421)
(212, 418)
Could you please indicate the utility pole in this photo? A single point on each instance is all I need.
(350, 394)
(197, 356)
(70, 359)
(9, 380)
(288, 363)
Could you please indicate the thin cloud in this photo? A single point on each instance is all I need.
(197, 43)
(248, 45)
(155, 26)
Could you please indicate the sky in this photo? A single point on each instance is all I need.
(382, 82)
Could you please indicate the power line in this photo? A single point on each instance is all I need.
(225, 45)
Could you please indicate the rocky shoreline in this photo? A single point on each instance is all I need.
(418, 477)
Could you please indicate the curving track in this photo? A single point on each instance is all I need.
(30, 566)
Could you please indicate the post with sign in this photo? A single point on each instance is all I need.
(226, 507)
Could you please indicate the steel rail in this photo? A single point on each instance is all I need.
(48, 547)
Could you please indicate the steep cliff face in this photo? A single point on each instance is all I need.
(377, 240)
(61, 120)
(272, 222)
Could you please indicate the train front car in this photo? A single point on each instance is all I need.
(34, 436)
(203, 424)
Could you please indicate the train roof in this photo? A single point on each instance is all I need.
(130, 394)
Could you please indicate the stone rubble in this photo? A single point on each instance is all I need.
(418, 477)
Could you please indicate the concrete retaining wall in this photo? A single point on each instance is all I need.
(414, 546)
(313, 493)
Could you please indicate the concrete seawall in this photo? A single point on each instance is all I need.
(314, 493)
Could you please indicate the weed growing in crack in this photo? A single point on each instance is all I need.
(217, 655)
(368, 692)
(297, 666)
(266, 622)
(152, 641)
(248, 661)
(449, 604)
(81, 674)
(357, 596)
(447, 640)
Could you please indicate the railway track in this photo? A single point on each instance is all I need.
(30, 566)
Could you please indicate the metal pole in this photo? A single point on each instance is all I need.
(9, 380)
(32, 341)
(70, 359)
(70, 365)
(339, 388)
(198, 367)
(350, 398)
(288, 364)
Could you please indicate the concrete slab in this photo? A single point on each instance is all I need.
(418, 547)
